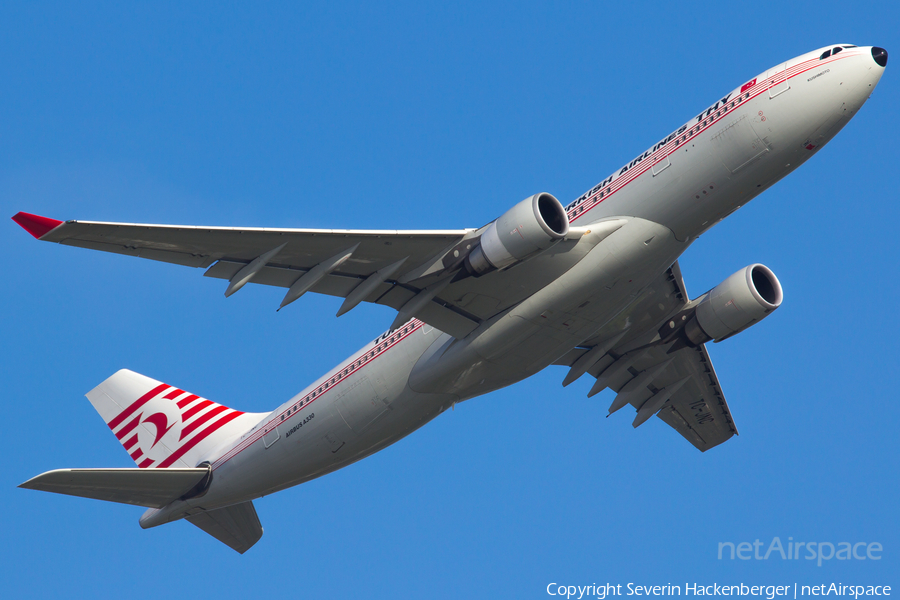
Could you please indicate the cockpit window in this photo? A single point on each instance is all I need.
(850, 46)
(825, 55)
(836, 50)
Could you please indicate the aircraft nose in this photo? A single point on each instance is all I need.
(880, 56)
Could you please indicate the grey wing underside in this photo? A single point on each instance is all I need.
(679, 385)
(384, 267)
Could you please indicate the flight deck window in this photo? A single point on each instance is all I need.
(825, 55)
(836, 50)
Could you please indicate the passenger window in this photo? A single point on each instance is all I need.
(825, 55)
(836, 50)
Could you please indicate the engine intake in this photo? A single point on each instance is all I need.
(532, 225)
(745, 298)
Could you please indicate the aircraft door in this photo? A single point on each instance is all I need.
(270, 434)
(777, 84)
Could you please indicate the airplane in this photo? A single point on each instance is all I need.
(594, 286)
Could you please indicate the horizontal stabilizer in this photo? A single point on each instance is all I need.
(153, 488)
(236, 526)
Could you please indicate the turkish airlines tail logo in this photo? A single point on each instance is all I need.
(158, 424)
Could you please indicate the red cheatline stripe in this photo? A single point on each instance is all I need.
(137, 454)
(185, 401)
(145, 463)
(173, 394)
(198, 438)
(201, 420)
(414, 324)
(634, 173)
(137, 404)
(194, 410)
(130, 442)
(128, 428)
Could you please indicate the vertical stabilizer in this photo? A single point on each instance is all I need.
(160, 425)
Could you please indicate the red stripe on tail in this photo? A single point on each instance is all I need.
(198, 438)
(130, 442)
(136, 405)
(194, 410)
(200, 421)
(185, 401)
(128, 428)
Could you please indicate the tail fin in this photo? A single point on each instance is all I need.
(162, 426)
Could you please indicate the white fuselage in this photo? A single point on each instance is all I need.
(693, 178)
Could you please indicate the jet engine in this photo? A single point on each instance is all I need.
(743, 299)
(532, 225)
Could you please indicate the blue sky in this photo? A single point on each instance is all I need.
(354, 115)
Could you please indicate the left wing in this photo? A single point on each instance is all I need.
(676, 383)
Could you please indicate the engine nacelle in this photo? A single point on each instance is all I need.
(532, 225)
(743, 299)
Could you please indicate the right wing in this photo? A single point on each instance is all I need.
(413, 272)
(336, 262)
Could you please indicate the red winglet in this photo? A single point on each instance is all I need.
(35, 225)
